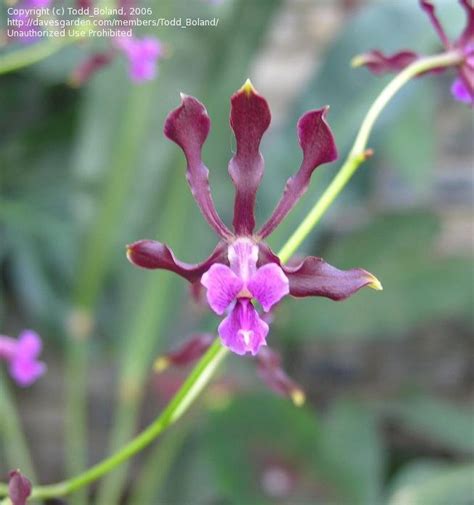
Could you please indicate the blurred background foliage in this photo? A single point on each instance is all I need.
(388, 375)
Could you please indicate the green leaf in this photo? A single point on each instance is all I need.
(338, 460)
(432, 418)
(353, 452)
(431, 483)
(267, 429)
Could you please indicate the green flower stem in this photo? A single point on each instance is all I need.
(15, 445)
(189, 391)
(358, 154)
(205, 368)
(36, 52)
(31, 54)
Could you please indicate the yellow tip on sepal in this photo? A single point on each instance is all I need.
(375, 284)
(298, 397)
(160, 364)
(248, 88)
(358, 61)
(73, 83)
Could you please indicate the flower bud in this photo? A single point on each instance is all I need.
(19, 488)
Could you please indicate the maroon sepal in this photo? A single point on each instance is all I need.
(87, 68)
(318, 146)
(314, 277)
(270, 371)
(467, 36)
(191, 350)
(430, 10)
(188, 126)
(379, 63)
(151, 254)
(249, 118)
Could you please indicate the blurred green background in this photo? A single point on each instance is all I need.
(388, 376)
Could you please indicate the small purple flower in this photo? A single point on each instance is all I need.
(463, 87)
(142, 55)
(28, 32)
(19, 488)
(243, 270)
(22, 356)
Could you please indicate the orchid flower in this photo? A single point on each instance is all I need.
(242, 269)
(463, 87)
(22, 356)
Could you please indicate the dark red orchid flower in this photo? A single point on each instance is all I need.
(463, 87)
(242, 268)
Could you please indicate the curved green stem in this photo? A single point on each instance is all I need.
(15, 445)
(358, 153)
(203, 371)
(149, 486)
(191, 388)
(31, 54)
(38, 51)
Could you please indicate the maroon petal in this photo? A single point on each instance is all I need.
(467, 36)
(314, 277)
(19, 488)
(155, 255)
(270, 370)
(429, 8)
(184, 355)
(378, 63)
(188, 126)
(318, 147)
(249, 119)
